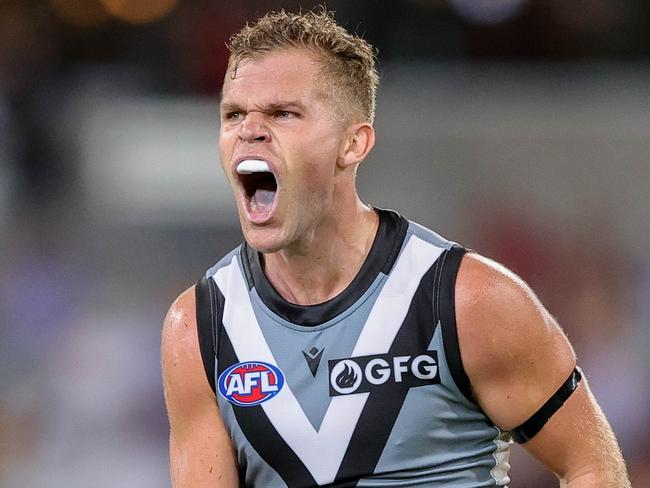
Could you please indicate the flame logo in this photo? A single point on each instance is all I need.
(346, 378)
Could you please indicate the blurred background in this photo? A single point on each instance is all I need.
(520, 128)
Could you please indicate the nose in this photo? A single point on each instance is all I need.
(253, 128)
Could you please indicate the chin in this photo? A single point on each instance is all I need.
(264, 240)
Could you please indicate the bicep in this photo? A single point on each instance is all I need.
(514, 353)
(201, 452)
(517, 357)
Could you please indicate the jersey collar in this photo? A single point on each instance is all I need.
(381, 258)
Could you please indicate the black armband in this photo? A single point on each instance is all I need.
(534, 424)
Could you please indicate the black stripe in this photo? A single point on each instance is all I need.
(218, 323)
(383, 405)
(393, 232)
(534, 424)
(248, 255)
(218, 327)
(445, 310)
(205, 308)
(261, 433)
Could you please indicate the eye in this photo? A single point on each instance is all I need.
(283, 114)
(234, 115)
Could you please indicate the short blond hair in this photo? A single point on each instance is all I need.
(348, 60)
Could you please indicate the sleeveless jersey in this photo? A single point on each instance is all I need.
(366, 389)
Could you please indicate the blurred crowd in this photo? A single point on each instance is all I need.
(49, 49)
(81, 301)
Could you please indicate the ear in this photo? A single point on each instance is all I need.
(356, 146)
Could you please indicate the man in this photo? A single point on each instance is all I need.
(344, 345)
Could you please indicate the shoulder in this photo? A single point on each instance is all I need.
(201, 453)
(180, 353)
(179, 326)
(512, 349)
(487, 291)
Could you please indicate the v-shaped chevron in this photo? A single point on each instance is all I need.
(322, 451)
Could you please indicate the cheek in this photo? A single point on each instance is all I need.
(311, 159)
(317, 186)
(320, 157)
(227, 139)
(318, 173)
(225, 153)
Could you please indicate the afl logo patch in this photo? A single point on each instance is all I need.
(250, 383)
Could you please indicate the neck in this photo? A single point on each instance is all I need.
(323, 266)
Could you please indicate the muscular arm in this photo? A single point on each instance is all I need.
(517, 357)
(201, 454)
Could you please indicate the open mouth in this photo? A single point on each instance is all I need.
(260, 187)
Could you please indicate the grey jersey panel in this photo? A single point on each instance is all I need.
(429, 236)
(438, 439)
(463, 439)
(290, 342)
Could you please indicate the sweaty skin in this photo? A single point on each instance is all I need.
(314, 242)
(516, 357)
(200, 451)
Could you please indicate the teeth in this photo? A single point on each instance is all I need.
(249, 166)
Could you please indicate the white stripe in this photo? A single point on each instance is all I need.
(501, 457)
(322, 451)
(393, 302)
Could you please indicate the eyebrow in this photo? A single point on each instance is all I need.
(280, 104)
(267, 107)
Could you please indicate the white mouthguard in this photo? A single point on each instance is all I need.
(249, 166)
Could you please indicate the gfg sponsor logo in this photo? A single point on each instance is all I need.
(363, 374)
(250, 383)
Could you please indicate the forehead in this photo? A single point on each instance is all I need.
(287, 73)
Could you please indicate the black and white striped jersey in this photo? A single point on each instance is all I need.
(366, 389)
